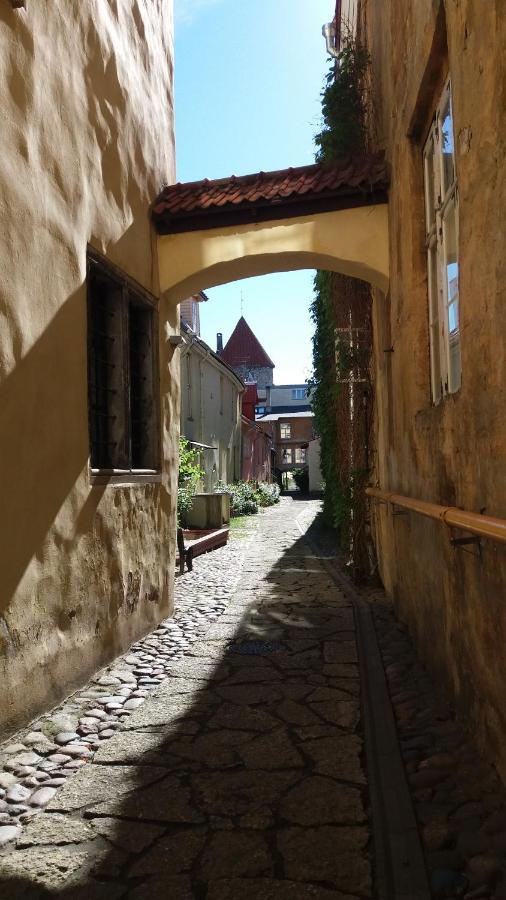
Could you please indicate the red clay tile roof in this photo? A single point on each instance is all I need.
(244, 349)
(348, 182)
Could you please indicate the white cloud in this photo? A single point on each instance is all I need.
(187, 11)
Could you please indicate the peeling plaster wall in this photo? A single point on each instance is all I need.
(86, 142)
(453, 453)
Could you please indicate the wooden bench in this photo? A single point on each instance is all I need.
(193, 542)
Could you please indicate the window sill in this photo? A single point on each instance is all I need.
(127, 478)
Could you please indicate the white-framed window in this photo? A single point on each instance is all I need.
(300, 454)
(441, 216)
(298, 393)
(286, 456)
(285, 431)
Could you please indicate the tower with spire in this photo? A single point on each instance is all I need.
(244, 353)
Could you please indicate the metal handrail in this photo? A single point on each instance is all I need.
(489, 527)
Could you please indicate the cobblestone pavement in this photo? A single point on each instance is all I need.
(222, 757)
(38, 760)
(240, 775)
(459, 800)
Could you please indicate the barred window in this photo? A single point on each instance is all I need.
(441, 213)
(122, 374)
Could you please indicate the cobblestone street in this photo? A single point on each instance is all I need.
(223, 756)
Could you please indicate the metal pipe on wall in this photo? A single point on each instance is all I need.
(489, 527)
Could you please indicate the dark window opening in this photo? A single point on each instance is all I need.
(121, 374)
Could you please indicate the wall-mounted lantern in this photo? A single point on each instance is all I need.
(329, 33)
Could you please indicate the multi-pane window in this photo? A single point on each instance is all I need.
(300, 454)
(285, 430)
(122, 374)
(441, 213)
(286, 456)
(298, 393)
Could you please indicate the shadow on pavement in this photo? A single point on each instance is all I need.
(240, 776)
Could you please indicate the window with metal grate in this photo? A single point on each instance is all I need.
(122, 374)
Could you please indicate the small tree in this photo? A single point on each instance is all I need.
(301, 478)
(190, 473)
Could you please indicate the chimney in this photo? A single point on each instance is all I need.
(219, 342)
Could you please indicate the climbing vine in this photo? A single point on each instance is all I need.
(343, 133)
(344, 106)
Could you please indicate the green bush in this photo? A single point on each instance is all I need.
(247, 496)
(267, 494)
(301, 478)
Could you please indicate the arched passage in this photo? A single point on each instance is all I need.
(351, 241)
(324, 216)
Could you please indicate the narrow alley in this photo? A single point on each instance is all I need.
(256, 754)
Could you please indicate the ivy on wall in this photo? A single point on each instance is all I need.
(344, 105)
(343, 133)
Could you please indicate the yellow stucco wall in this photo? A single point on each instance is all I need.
(453, 453)
(86, 141)
(351, 241)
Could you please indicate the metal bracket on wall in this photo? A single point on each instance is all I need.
(473, 540)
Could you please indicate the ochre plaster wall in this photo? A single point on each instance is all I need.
(351, 241)
(453, 453)
(85, 144)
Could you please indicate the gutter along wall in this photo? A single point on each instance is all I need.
(86, 142)
(452, 453)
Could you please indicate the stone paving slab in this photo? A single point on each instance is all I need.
(241, 774)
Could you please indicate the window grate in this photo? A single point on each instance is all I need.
(121, 374)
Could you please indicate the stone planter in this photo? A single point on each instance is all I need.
(209, 511)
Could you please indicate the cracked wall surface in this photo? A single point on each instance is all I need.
(86, 142)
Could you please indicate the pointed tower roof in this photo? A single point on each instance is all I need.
(244, 349)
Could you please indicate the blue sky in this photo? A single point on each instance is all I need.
(248, 82)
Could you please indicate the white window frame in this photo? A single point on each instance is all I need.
(441, 201)
(285, 427)
(300, 455)
(299, 393)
